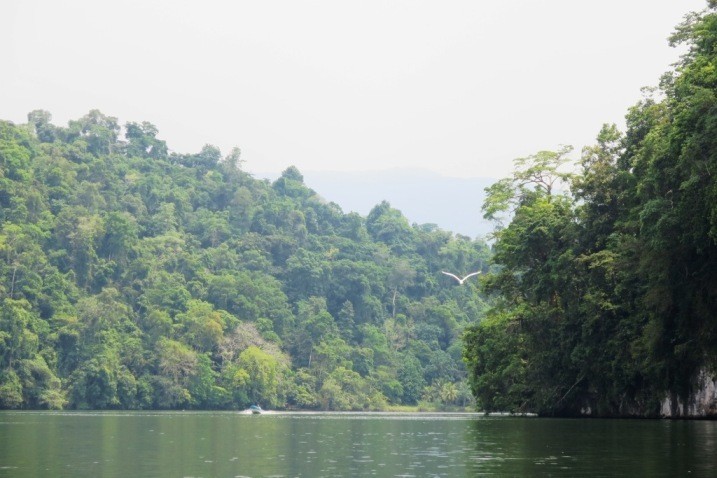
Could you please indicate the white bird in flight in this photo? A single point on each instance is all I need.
(461, 280)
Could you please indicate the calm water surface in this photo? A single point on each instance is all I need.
(314, 445)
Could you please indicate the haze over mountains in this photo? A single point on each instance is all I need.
(424, 197)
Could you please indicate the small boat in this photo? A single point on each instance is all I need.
(255, 409)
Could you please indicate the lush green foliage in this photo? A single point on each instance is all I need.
(607, 290)
(133, 277)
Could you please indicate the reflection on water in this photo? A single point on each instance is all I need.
(564, 447)
(347, 445)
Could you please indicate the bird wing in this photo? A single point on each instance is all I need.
(471, 275)
(452, 275)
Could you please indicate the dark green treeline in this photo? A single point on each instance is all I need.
(134, 277)
(607, 294)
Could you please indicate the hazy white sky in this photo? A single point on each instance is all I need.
(458, 87)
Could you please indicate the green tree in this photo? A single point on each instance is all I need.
(143, 141)
(538, 174)
(98, 130)
(410, 376)
(202, 326)
(178, 364)
(262, 376)
(41, 122)
(387, 225)
(314, 324)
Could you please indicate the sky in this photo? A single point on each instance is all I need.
(456, 87)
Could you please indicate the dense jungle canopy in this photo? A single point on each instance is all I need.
(606, 298)
(135, 277)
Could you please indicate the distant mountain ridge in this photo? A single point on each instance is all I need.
(424, 197)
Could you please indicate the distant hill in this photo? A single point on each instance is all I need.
(424, 197)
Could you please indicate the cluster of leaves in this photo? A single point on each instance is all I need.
(608, 282)
(133, 277)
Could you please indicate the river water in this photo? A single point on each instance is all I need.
(314, 445)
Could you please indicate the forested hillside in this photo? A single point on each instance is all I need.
(135, 277)
(607, 292)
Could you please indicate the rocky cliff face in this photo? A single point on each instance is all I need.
(702, 403)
